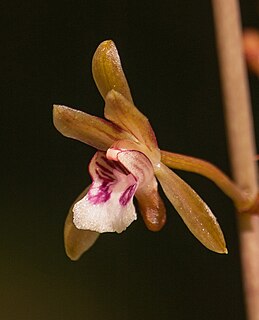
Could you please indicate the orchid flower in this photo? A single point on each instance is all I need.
(127, 163)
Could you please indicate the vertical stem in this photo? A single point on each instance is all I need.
(241, 139)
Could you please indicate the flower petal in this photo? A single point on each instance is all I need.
(77, 241)
(192, 209)
(108, 205)
(242, 200)
(123, 113)
(134, 162)
(91, 130)
(151, 206)
(107, 70)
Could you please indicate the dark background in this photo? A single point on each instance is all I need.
(169, 56)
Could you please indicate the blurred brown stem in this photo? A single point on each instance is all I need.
(239, 123)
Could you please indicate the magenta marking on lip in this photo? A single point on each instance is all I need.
(105, 169)
(116, 165)
(110, 163)
(103, 194)
(120, 167)
(127, 195)
(104, 176)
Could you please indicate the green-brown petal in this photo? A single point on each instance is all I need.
(242, 199)
(151, 206)
(107, 70)
(193, 210)
(77, 241)
(124, 114)
(86, 128)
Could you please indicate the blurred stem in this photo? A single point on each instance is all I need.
(239, 123)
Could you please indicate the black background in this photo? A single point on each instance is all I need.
(168, 53)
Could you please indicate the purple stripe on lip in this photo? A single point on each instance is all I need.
(103, 176)
(127, 195)
(105, 169)
(103, 194)
(116, 165)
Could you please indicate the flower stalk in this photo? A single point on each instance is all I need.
(239, 123)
